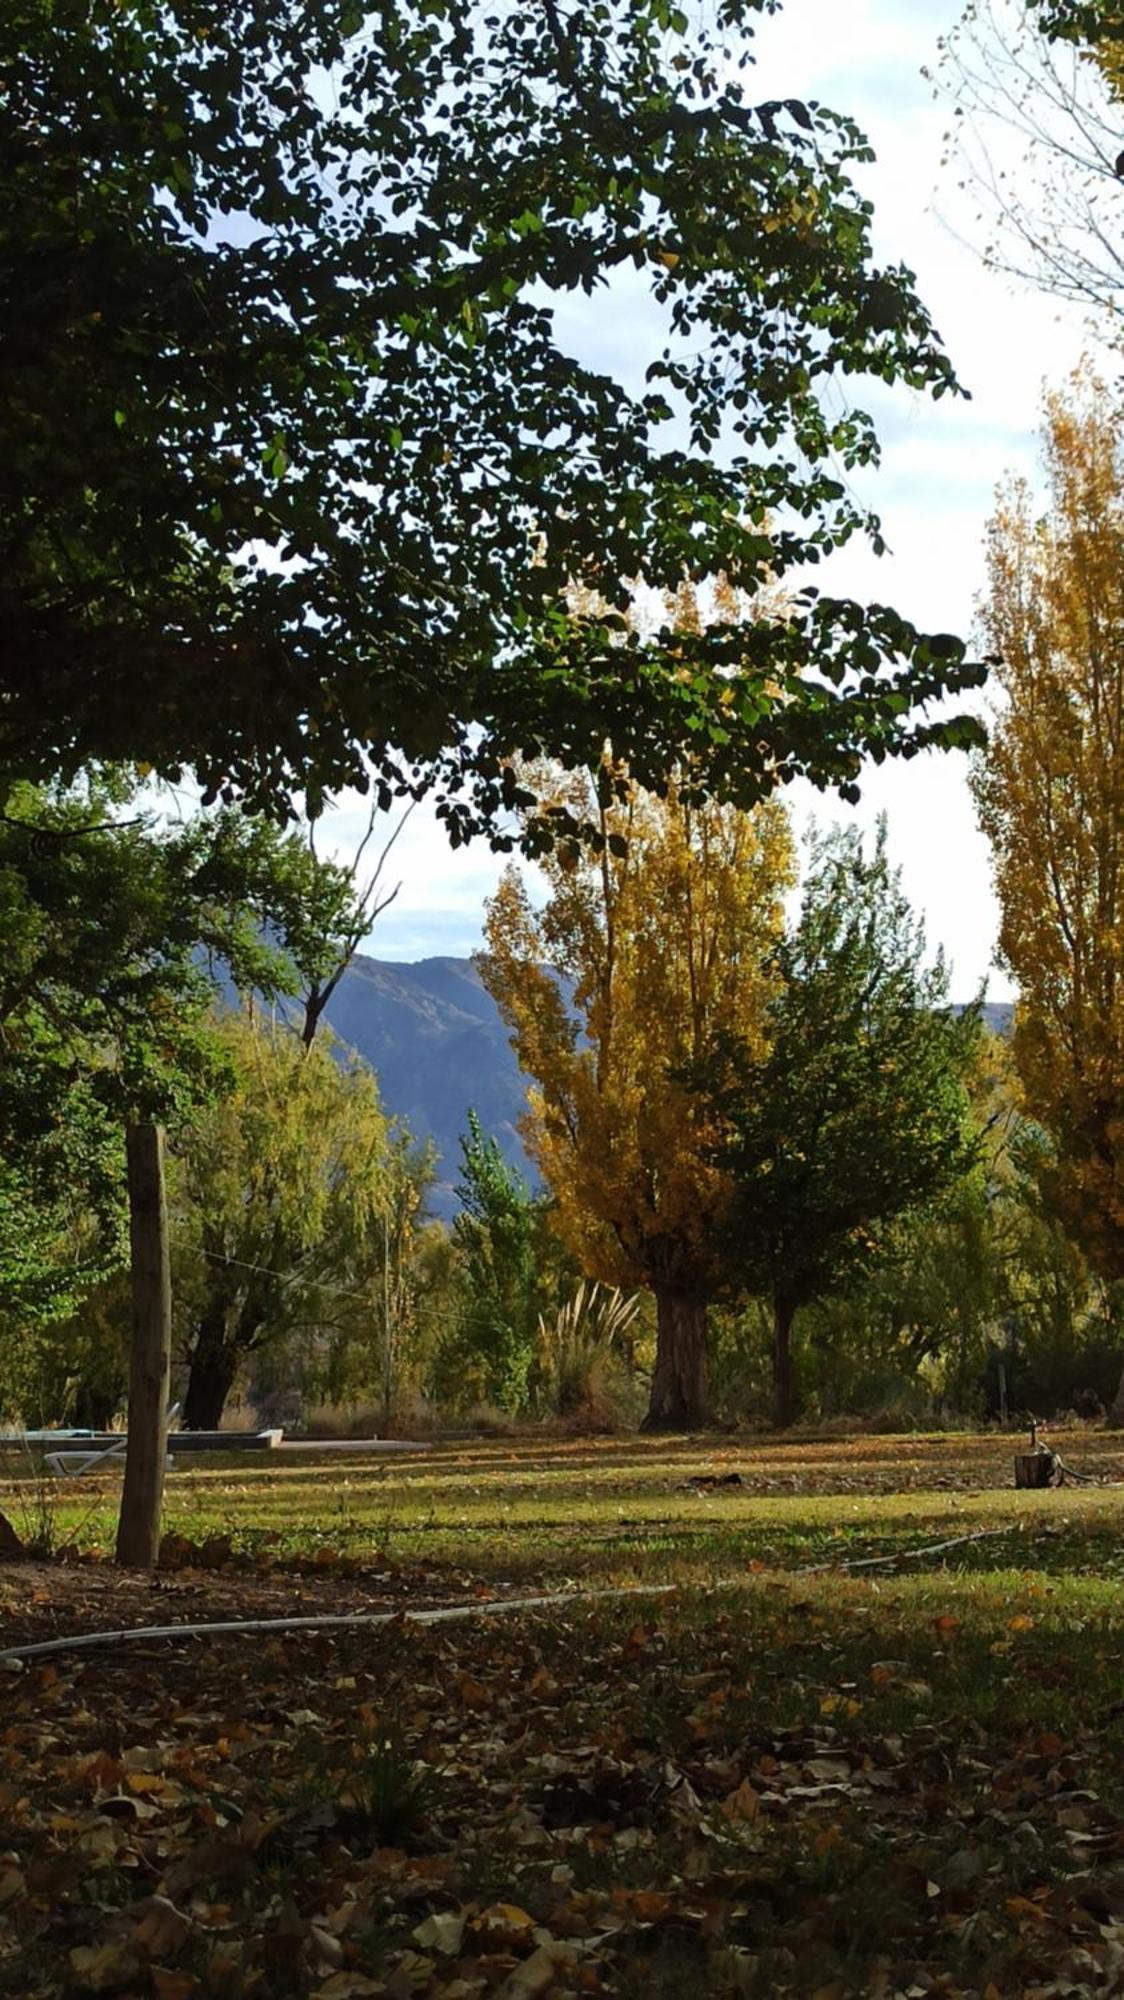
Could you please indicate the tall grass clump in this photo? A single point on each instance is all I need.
(585, 1358)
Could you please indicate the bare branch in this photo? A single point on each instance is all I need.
(367, 907)
(1036, 139)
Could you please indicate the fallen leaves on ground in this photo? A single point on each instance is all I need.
(784, 1792)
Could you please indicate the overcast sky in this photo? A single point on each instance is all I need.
(934, 489)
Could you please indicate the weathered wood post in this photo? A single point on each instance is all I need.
(1038, 1466)
(1034, 1468)
(138, 1527)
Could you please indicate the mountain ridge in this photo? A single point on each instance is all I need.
(434, 1037)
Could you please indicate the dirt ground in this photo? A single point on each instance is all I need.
(40, 1600)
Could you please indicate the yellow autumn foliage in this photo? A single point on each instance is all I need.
(1108, 54)
(638, 958)
(1051, 798)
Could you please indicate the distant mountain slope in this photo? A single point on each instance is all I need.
(439, 1048)
(436, 1041)
(999, 1015)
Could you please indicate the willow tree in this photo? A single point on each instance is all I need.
(1051, 800)
(643, 952)
(282, 1200)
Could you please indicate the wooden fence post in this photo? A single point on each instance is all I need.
(138, 1527)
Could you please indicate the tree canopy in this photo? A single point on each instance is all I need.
(642, 954)
(1050, 794)
(298, 461)
(851, 1109)
(118, 934)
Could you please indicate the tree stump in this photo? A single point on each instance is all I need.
(1035, 1468)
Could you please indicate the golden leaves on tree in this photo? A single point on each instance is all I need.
(642, 953)
(1051, 798)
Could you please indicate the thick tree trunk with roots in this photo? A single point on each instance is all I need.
(784, 1393)
(678, 1400)
(210, 1376)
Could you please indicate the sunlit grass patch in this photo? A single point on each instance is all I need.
(556, 1510)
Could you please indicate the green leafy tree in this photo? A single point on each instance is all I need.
(976, 1301)
(116, 934)
(1062, 1345)
(75, 1369)
(107, 923)
(298, 465)
(917, 1326)
(280, 1190)
(57, 1256)
(857, 1109)
(498, 1233)
(104, 991)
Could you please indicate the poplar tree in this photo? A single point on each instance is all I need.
(646, 949)
(1050, 794)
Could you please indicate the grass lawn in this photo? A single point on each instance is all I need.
(789, 1776)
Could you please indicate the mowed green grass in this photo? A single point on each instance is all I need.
(552, 1512)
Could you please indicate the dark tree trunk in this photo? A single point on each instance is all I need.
(95, 1409)
(678, 1399)
(784, 1394)
(1116, 1413)
(210, 1376)
(138, 1524)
